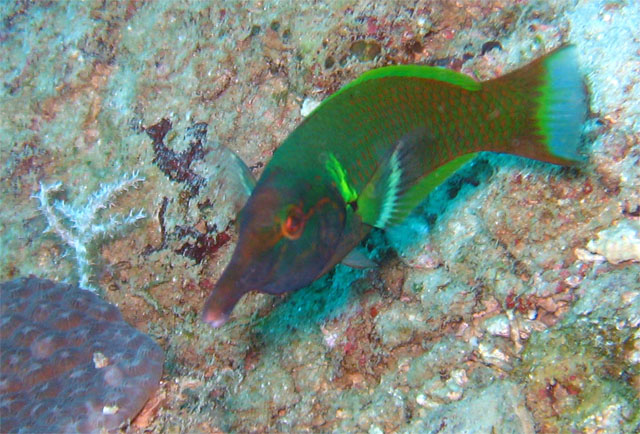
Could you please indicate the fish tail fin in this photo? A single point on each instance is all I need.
(553, 95)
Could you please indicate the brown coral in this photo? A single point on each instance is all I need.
(68, 361)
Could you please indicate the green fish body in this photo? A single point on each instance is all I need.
(375, 149)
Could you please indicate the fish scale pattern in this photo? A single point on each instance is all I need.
(68, 361)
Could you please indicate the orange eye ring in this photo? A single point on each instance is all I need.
(293, 225)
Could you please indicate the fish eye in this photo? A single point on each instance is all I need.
(293, 225)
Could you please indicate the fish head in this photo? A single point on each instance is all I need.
(288, 232)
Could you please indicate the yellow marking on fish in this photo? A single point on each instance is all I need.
(339, 175)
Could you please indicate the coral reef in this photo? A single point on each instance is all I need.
(489, 291)
(68, 362)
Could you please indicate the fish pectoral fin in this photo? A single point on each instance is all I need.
(246, 179)
(383, 201)
(246, 176)
(358, 259)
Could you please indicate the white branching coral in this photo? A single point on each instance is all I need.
(78, 226)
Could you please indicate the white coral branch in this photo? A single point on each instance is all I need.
(83, 227)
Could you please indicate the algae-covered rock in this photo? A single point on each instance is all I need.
(398, 325)
(444, 354)
(611, 295)
(265, 389)
(578, 378)
(619, 243)
(499, 407)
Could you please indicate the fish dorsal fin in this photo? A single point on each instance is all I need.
(418, 71)
(411, 71)
(402, 182)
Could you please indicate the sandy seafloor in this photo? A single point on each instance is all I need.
(509, 302)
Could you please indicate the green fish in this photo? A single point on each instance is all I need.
(374, 150)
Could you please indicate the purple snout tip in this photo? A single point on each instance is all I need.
(215, 319)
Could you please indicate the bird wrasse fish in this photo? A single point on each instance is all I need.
(371, 152)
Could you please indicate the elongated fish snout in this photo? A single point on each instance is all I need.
(221, 301)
